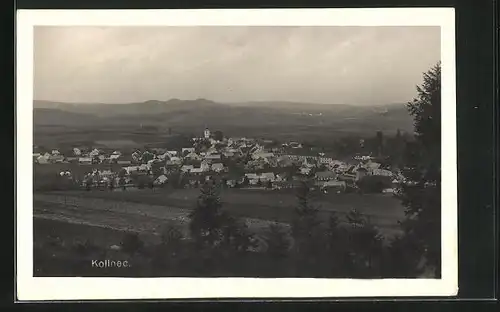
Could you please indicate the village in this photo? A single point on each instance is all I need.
(230, 162)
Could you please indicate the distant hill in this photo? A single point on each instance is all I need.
(263, 117)
(59, 117)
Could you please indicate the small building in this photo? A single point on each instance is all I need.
(325, 176)
(95, 152)
(131, 169)
(43, 159)
(77, 151)
(335, 185)
(193, 156)
(213, 157)
(85, 160)
(267, 176)
(217, 167)
(174, 161)
(305, 170)
(162, 179)
(382, 172)
(196, 171)
(187, 150)
(187, 168)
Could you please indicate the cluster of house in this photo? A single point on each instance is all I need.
(276, 167)
(94, 156)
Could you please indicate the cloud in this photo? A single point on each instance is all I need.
(358, 65)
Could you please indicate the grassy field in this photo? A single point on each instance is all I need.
(382, 210)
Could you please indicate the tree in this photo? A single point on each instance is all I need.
(269, 184)
(422, 197)
(218, 135)
(122, 183)
(365, 247)
(277, 241)
(132, 243)
(373, 183)
(212, 228)
(205, 224)
(306, 231)
(111, 185)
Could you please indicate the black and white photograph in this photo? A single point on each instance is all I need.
(248, 151)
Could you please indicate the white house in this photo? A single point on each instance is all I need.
(262, 155)
(161, 180)
(114, 157)
(55, 152)
(174, 161)
(44, 159)
(77, 151)
(85, 160)
(217, 167)
(193, 156)
(196, 170)
(187, 150)
(131, 169)
(213, 157)
(94, 153)
(372, 165)
(205, 165)
(325, 160)
(251, 176)
(187, 168)
(171, 153)
(267, 176)
(341, 185)
(305, 170)
(325, 176)
(382, 172)
(212, 150)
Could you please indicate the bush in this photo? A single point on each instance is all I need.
(373, 184)
(132, 243)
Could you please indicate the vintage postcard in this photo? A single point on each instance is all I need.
(270, 153)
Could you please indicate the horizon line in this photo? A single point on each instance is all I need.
(217, 102)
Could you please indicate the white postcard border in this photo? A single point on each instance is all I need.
(38, 288)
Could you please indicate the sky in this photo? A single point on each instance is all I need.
(315, 64)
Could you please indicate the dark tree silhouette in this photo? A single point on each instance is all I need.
(422, 196)
(278, 243)
(132, 243)
(307, 233)
(218, 135)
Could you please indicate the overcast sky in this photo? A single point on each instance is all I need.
(348, 65)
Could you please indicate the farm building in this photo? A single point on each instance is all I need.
(85, 160)
(325, 176)
(217, 167)
(187, 168)
(334, 185)
(161, 180)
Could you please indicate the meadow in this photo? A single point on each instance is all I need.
(384, 211)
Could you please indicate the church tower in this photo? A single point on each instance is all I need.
(207, 133)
